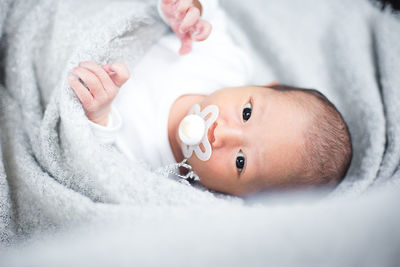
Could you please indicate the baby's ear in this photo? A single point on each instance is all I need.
(274, 83)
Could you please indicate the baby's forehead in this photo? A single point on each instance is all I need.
(304, 102)
(294, 101)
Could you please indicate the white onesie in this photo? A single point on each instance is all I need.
(139, 117)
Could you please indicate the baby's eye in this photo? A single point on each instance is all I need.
(240, 161)
(247, 112)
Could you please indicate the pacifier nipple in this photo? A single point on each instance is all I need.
(192, 129)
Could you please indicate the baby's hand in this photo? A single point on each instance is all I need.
(103, 83)
(184, 18)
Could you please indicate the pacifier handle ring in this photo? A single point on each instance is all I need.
(191, 176)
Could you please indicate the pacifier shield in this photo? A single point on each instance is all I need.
(193, 131)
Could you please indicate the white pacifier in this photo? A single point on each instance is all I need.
(193, 131)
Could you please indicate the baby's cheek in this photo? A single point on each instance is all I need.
(201, 168)
(212, 173)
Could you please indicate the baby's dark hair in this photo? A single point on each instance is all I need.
(328, 149)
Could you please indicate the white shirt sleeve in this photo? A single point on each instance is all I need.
(208, 7)
(107, 134)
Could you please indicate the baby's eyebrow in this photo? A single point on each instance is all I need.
(246, 166)
(259, 153)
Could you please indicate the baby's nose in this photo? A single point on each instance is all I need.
(226, 135)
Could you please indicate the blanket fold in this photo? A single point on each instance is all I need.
(55, 167)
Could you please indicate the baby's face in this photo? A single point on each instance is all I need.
(256, 141)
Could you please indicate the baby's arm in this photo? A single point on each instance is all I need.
(103, 84)
(184, 17)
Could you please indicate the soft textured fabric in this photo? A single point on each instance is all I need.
(58, 173)
(161, 76)
(55, 176)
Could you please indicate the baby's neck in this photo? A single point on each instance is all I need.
(177, 112)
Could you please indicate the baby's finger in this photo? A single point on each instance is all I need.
(83, 94)
(203, 29)
(107, 68)
(182, 8)
(100, 73)
(121, 73)
(186, 45)
(190, 19)
(94, 84)
(167, 2)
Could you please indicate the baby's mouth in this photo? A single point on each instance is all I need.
(210, 134)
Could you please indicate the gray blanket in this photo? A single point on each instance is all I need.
(56, 177)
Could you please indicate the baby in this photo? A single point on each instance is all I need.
(261, 137)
